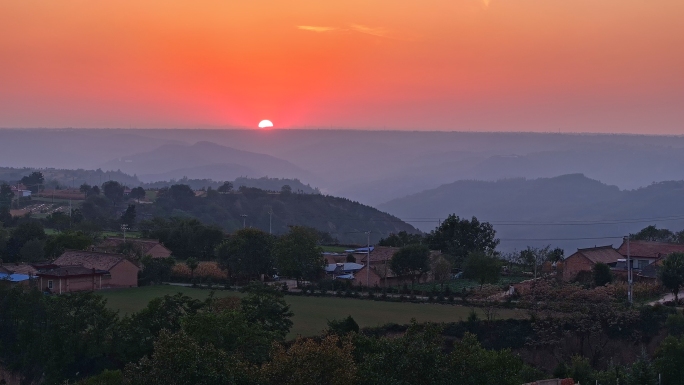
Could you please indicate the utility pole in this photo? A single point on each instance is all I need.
(244, 220)
(124, 228)
(270, 217)
(630, 282)
(368, 260)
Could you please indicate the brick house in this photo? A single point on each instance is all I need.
(644, 253)
(585, 259)
(380, 273)
(65, 279)
(151, 247)
(120, 272)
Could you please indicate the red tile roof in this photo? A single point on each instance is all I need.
(20, 269)
(647, 249)
(89, 259)
(601, 254)
(70, 271)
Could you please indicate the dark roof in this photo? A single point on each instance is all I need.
(601, 254)
(89, 259)
(647, 249)
(379, 254)
(70, 271)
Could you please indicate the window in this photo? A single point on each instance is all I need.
(643, 263)
(49, 284)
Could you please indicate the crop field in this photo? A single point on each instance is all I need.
(457, 285)
(312, 313)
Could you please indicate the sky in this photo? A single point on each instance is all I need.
(461, 65)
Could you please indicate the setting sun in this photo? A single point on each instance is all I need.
(265, 124)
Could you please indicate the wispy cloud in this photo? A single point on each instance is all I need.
(359, 28)
(314, 28)
(486, 3)
(375, 31)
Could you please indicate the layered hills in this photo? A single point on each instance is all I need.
(569, 211)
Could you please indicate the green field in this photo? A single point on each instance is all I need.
(312, 313)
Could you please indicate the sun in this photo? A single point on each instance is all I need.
(265, 124)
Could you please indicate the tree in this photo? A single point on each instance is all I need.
(351, 258)
(265, 306)
(286, 190)
(192, 265)
(179, 359)
(482, 267)
(308, 362)
(137, 193)
(601, 274)
(535, 257)
(225, 188)
(672, 273)
(113, 190)
(58, 221)
(23, 233)
(669, 360)
(298, 255)
(643, 372)
(412, 260)
(6, 195)
(247, 253)
(441, 270)
(73, 240)
(401, 239)
(343, 327)
(181, 194)
(653, 234)
(459, 237)
(555, 255)
(155, 270)
(33, 181)
(33, 251)
(128, 217)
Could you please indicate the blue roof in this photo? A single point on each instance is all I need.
(14, 277)
(364, 249)
(347, 266)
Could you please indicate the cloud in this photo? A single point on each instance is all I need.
(375, 31)
(313, 28)
(486, 3)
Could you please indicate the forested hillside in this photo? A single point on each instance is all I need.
(342, 218)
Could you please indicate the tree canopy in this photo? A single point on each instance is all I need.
(459, 237)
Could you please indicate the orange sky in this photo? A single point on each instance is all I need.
(499, 65)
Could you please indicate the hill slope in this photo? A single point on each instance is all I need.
(343, 219)
(546, 202)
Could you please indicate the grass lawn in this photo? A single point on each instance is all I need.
(312, 313)
(335, 249)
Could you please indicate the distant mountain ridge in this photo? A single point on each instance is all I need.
(203, 160)
(557, 210)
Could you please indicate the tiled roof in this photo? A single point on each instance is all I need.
(70, 271)
(89, 259)
(379, 254)
(144, 245)
(602, 254)
(20, 269)
(646, 249)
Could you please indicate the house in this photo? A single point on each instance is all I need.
(379, 272)
(19, 268)
(120, 272)
(151, 247)
(66, 279)
(583, 260)
(344, 270)
(644, 253)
